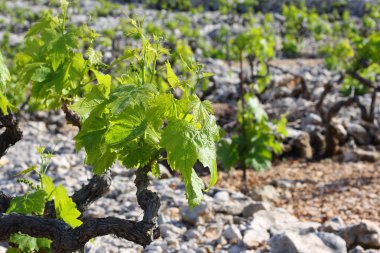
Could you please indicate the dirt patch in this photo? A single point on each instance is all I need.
(319, 191)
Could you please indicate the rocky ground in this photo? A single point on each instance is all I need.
(273, 218)
(294, 207)
(316, 191)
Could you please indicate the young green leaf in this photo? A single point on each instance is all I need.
(207, 74)
(27, 243)
(104, 82)
(48, 186)
(66, 208)
(88, 103)
(194, 187)
(129, 96)
(30, 203)
(4, 105)
(92, 138)
(94, 57)
(185, 144)
(171, 76)
(137, 154)
(201, 110)
(156, 172)
(26, 171)
(127, 126)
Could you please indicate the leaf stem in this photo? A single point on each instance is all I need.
(143, 68)
(64, 21)
(154, 67)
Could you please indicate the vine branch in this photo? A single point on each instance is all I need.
(66, 239)
(71, 116)
(301, 80)
(12, 133)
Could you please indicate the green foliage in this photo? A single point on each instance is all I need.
(153, 29)
(354, 54)
(235, 7)
(30, 203)
(319, 26)
(338, 54)
(258, 47)
(301, 22)
(294, 18)
(4, 80)
(295, 22)
(140, 118)
(254, 41)
(251, 144)
(28, 244)
(105, 8)
(52, 64)
(4, 73)
(255, 140)
(290, 46)
(65, 207)
(178, 5)
(33, 203)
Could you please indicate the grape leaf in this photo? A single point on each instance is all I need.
(41, 74)
(201, 109)
(184, 145)
(44, 243)
(207, 149)
(281, 126)
(30, 203)
(163, 106)
(94, 57)
(28, 244)
(137, 154)
(53, 81)
(13, 250)
(207, 74)
(78, 65)
(4, 105)
(228, 153)
(127, 126)
(66, 208)
(25, 243)
(194, 187)
(86, 104)
(171, 76)
(92, 138)
(156, 172)
(104, 82)
(178, 139)
(128, 54)
(61, 46)
(48, 186)
(258, 155)
(130, 95)
(47, 21)
(257, 109)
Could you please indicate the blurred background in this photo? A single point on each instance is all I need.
(294, 88)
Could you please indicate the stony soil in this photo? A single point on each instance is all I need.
(319, 191)
(310, 191)
(316, 202)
